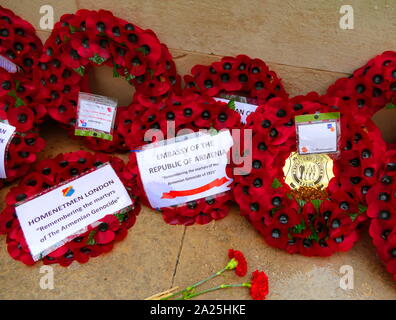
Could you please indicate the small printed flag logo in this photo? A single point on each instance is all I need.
(68, 191)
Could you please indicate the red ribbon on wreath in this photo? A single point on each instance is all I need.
(183, 193)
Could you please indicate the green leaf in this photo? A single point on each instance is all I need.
(143, 50)
(301, 203)
(276, 184)
(97, 59)
(80, 70)
(121, 216)
(129, 77)
(73, 28)
(314, 236)
(151, 71)
(390, 106)
(115, 72)
(316, 203)
(274, 210)
(289, 196)
(12, 93)
(299, 227)
(231, 104)
(362, 208)
(19, 102)
(91, 240)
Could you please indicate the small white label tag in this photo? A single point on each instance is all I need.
(6, 132)
(244, 109)
(96, 115)
(58, 216)
(317, 138)
(8, 65)
(177, 172)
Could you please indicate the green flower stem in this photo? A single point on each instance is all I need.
(231, 265)
(196, 284)
(209, 278)
(222, 286)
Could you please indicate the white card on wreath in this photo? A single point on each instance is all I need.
(243, 108)
(184, 169)
(56, 217)
(317, 138)
(6, 132)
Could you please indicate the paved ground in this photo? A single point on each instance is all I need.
(155, 257)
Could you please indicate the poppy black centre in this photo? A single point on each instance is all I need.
(22, 118)
(100, 26)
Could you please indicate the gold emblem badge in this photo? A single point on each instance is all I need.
(313, 170)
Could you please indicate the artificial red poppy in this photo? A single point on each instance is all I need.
(6, 84)
(106, 229)
(22, 118)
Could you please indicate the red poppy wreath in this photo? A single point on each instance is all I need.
(47, 174)
(317, 220)
(382, 211)
(19, 104)
(91, 38)
(240, 75)
(192, 112)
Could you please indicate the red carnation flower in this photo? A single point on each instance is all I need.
(241, 267)
(259, 285)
